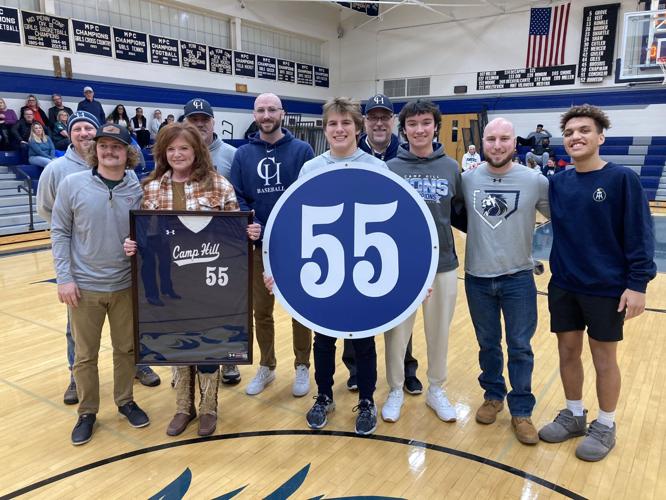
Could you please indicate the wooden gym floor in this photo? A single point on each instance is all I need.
(263, 447)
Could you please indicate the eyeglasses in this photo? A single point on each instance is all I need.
(270, 111)
(381, 118)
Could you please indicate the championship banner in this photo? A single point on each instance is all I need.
(192, 287)
(352, 249)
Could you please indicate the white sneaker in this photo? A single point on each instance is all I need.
(263, 377)
(392, 406)
(437, 400)
(301, 381)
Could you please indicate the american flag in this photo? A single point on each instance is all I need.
(548, 36)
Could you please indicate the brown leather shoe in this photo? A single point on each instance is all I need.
(207, 424)
(524, 430)
(179, 423)
(487, 412)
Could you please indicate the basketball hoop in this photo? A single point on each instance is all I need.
(662, 64)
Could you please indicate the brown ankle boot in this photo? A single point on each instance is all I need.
(208, 383)
(185, 411)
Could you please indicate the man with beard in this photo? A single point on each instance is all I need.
(502, 198)
(380, 141)
(90, 219)
(57, 107)
(82, 127)
(261, 171)
(199, 113)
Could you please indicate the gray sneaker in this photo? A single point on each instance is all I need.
(565, 426)
(599, 441)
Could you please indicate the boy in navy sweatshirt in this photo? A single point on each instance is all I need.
(601, 262)
(260, 172)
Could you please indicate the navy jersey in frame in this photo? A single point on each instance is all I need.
(192, 287)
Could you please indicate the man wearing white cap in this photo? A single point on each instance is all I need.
(91, 105)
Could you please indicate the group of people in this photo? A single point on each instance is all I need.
(39, 133)
(597, 205)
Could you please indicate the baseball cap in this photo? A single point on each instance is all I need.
(81, 116)
(198, 106)
(115, 131)
(87, 89)
(379, 101)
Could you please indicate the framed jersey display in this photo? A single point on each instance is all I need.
(192, 287)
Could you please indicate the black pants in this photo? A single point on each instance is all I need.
(411, 364)
(365, 361)
(142, 137)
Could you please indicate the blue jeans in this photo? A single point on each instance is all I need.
(514, 295)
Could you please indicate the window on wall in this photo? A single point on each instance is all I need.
(32, 5)
(282, 45)
(150, 17)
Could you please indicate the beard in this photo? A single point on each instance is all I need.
(272, 126)
(501, 162)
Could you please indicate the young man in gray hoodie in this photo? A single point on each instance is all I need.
(82, 127)
(90, 222)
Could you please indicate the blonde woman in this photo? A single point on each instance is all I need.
(40, 146)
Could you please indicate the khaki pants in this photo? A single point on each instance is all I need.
(265, 326)
(437, 316)
(87, 322)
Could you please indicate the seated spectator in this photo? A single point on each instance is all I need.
(10, 116)
(169, 120)
(39, 114)
(21, 129)
(58, 106)
(549, 168)
(471, 159)
(60, 134)
(155, 123)
(540, 153)
(139, 124)
(119, 117)
(534, 138)
(516, 157)
(5, 134)
(40, 147)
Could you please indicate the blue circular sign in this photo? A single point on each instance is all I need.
(352, 249)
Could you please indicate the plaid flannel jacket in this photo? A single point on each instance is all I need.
(158, 195)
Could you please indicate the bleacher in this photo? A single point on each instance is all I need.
(18, 188)
(645, 155)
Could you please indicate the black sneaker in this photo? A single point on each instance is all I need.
(83, 430)
(351, 383)
(147, 376)
(316, 417)
(70, 397)
(366, 421)
(413, 385)
(136, 416)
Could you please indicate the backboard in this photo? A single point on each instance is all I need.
(643, 46)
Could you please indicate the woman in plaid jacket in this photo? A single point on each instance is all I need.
(185, 179)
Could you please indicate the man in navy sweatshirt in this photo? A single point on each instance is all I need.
(601, 262)
(261, 171)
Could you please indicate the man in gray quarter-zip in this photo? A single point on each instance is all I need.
(90, 221)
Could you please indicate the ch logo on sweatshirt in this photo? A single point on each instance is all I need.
(269, 170)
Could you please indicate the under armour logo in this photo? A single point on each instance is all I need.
(378, 99)
(170, 231)
(198, 104)
(599, 195)
(496, 180)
